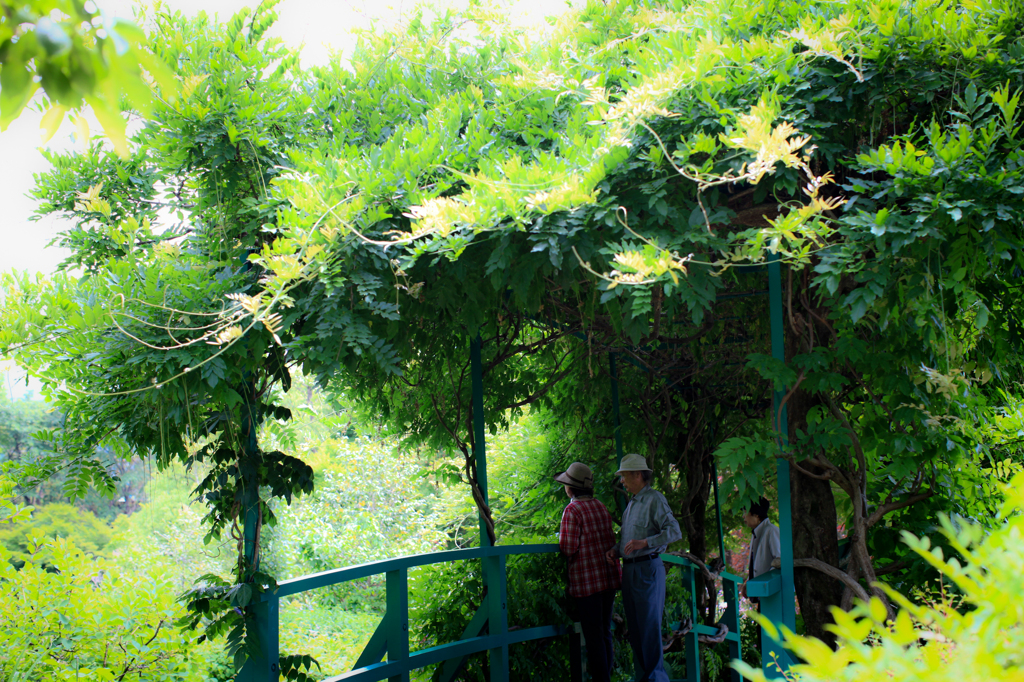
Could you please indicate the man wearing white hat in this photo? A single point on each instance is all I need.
(648, 527)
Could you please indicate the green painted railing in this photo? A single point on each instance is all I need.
(731, 618)
(391, 639)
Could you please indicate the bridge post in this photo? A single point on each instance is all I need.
(397, 615)
(263, 667)
(691, 641)
(613, 369)
(492, 567)
(786, 611)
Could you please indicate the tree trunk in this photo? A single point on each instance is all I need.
(696, 463)
(813, 504)
(814, 537)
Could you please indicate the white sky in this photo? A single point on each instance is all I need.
(317, 25)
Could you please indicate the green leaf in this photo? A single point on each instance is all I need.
(981, 319)
(52, 37)
(859, 308)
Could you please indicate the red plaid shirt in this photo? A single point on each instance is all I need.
(585, 536)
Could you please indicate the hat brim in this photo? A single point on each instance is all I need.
(565, 479)
(622, 471)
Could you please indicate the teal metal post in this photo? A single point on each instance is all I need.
(731, 617)
(614, 369)
(397, 615)
(692, 640)
(787, 589)
(493, 567)
(620, 497)
(263, 667)
(497, 614)
(479, 448)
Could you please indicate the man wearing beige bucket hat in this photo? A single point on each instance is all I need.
(584, 536)
(648, 527)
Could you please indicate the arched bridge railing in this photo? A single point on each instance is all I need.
(391, 638)
(730, 617)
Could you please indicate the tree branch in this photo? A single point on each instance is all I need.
(884, 509)
(829, 570)
(892, 568)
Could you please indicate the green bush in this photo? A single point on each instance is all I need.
(87, 620)
(979, 635)
(59, 520)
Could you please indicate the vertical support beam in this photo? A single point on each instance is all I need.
(718, 512)
(692, 640)
(773, 655)
(731, 618)
(788, 591)
(497, 615)
(264, 667)
(730, 593)
(492, 567)
(479, 445)
(613, 368)
(267, 624)
(397, 587)
(251, 501)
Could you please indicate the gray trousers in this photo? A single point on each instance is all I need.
(643, 598)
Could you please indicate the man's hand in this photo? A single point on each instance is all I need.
(635, 546)
(611, 557)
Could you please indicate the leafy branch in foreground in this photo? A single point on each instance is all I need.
(77, 55)
(977, 633)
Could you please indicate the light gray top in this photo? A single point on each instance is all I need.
(648, 517)
(764, 547)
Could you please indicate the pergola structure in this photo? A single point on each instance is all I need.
(488, 630)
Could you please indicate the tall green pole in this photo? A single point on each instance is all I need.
(614, 370)
(479, 445)
(493, 567)
(718, 512)
(613, 367)
(788, 590)
(264, 667)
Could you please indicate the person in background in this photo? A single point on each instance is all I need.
(585, 536)
(764, 542)
(648, 527)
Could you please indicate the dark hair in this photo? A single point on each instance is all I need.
(647, 474)
(760, 508)
(576, 492)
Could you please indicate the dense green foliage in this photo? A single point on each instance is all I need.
(82, 617)
(50, 523)
(613, 184)
(577, 169)
(147, 382)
